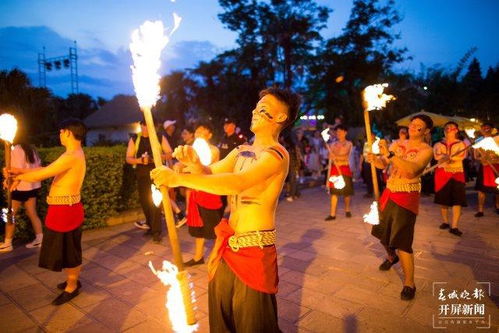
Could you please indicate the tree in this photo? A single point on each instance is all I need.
(275, 37)
(363, 54)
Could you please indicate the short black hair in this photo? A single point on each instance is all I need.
(427, 120)
(487, 124)
(451, 123)
(286, 96)
(230, 120)
(341, 127)
(75, 126)
(204, 124)
(188, 129)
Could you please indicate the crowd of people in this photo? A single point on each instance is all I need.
(232, 199)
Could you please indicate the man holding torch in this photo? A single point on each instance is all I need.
(61, 245)
(400, 201)
(243, 264)
(487, 173)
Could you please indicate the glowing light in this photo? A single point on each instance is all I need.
(488, 144)
(374, 97)
(470, 132)
(203, 150)
(147, 43)
(5, 215)
(425, 88)
(174, 300)
(373, 216)
(339, 79)
(8, 127)
(157, 197)
(375, 148)
(338, 182)
(325, 135)
(473, 119)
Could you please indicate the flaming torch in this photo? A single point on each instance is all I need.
(203, 150)
(8, 129)
(147, 43)
(373, 99)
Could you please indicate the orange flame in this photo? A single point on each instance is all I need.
(338, 182)
(373, 216)
(488, 144)
(147, 43)
(374, 97)
(174, 300)
(203, 150)
(8, 127)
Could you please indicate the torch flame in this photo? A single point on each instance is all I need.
(203, 150)
(374, 97)
(8, 127)
(487, 143)
(174, 300)
(375, 147)
(338, 182)
(325, 135)
(147, 43)
(470, 132)
(373, 216)
(157, 197)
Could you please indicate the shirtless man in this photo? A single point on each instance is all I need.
(400, 201)
(243, 263)
(449, 177)
(339, 154)
(61, 245)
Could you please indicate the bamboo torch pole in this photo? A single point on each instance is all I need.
(374, 175)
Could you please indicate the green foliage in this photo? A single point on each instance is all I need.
(109, 187)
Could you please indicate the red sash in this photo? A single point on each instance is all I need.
(254, 266)
(345, 171)
(442, 177)
(64, 218)
(203, 199)
(407, 200)
(489, 177)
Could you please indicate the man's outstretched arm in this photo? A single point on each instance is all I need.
(222, 183)
(60, 165)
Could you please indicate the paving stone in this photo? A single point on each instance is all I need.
(14, 319)
(60, 318)
(32, 297)
(12, 277)
(115, 314)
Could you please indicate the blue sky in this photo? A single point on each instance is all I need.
(435, 32)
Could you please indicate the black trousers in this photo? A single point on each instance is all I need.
(151, 212)
(235, 307)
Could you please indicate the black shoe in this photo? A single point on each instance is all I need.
(455, 231)
(63, 285)
(65, 297)
(407, 293)
(479, 214)
(387, 264)
(193, 262)
(444, 226)
(348, 214)
(330, 218)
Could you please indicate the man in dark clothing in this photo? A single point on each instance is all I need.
(231, 139)
(139, 155)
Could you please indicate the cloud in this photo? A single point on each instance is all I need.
(101, 72)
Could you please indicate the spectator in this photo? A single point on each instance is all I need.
(24, 158)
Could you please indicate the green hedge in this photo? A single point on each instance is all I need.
(108, 189)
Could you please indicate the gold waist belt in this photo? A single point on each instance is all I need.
(414, 187)
(252, 238)
(453, 169)
(63, 199)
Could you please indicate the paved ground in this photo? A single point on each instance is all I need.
(329, 280)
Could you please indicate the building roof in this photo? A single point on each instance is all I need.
(121, 110)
